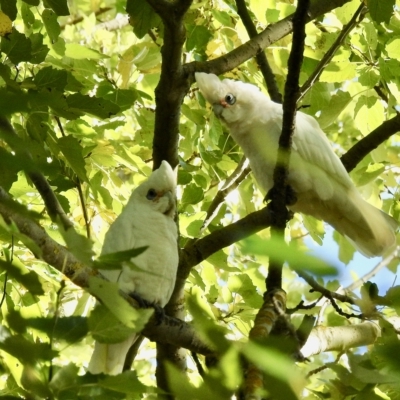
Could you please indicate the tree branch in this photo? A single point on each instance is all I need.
(370, 142)
(274, 304)
(270, 35)
(169, 94)
(173, 84)
(278, 193)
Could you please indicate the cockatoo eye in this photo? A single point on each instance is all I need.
(151, 194)
(230, 99)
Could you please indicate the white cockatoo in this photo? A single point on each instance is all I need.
(321, 184)
(146, 220)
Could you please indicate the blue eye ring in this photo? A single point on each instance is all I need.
(151, 194)
(230, 99)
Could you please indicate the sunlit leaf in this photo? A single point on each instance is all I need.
(92, 105)
(51, 24)
(381, 11)
(22, 275)
(107, 292)
(114, 260)
(282, 252)
(143, 17)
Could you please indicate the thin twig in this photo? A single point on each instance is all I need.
(321, 289)
(261, 58)
(231, 183)
(355, 20)
(383, 263)
(78, 185)
(53, 207)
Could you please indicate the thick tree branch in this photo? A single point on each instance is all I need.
(278, 193)
(53, 207)
(198, 250)
(173, 84)
(261, 58)
(170, 91)
(272, 308)
(370, 142)
(270, 35)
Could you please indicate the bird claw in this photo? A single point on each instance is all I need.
(159, 314)
(143, 303)
(290, 195)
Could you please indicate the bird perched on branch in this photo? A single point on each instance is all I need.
(321, 184)
(146, 220)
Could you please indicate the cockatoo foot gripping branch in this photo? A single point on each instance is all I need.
(319, 180)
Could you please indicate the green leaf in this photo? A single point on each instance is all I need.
(80, 246)
(337, 104)
(12, 102)
(393, 48)
(27, 15)
(223, 17)
(285, 381)
(123, 98)
(9, 167)
(17, 47)
(82, 104)
(381, 11)
(51, 78)
(198, 38)
(114, 260)
(242, 284)
(192, 194)
(64, 377)
(79, 52)
(32, 2)
(60, 7)
(127, 382)
(69, 329)
(105, 327)
(21, 274)
(39, 50)
(369, 173)
(51, 24)
(37, 127)
(72, 151)
(279, 251)
(108, 293)
(142, 17)
(28, 352)
(9, 7)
